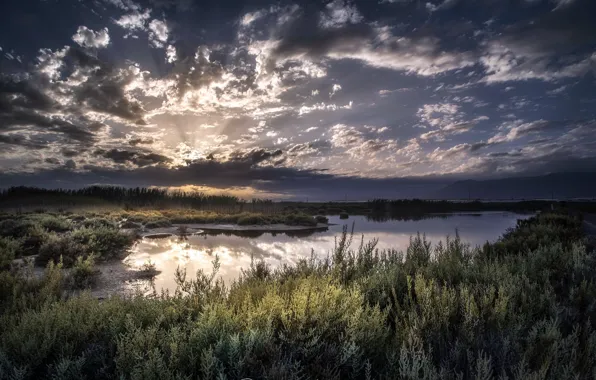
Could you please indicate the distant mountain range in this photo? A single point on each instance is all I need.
(556, 185)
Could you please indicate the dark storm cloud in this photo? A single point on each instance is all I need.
(139, 141)
(318, 42)
(52, 160)
(21, 94)
(69, 152)
(29, 117)
(139, 159)
(314, 36)
(18, 140)
(103, 89)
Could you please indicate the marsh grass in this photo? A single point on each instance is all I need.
(523, 308)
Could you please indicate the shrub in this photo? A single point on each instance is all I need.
(8, 251)
(98, 222)
(60, 249)
(148, 270)
(33, 240)
(158, 223)
(130, 224)
(105, 242)
(300, 220)
(250, 219)
(83, 273)
(51, 222)
(343, 215)
(16, 228)
(322, 219)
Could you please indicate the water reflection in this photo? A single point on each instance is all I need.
(197, 251)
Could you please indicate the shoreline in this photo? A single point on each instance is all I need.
(195, 228)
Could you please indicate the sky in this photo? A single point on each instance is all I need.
(281, 99)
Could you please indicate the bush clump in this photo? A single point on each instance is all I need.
(83, 274)
(251, 219)
(322, 219)
(9, 248)
(60, 248)
(158, 223)
(344, 215)
(300, 219)
(130, 224)
(103, 242)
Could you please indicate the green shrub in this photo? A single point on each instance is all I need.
(16, 228)
(343, 215)
(98, 222)
(8, 251)
(250, 219)
(33, 240)
(58, 248)
(105, 242)
(83, 273)
(51, 222)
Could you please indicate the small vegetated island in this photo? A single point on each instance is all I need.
(522, 307)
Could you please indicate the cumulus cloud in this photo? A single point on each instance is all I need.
(88, 38)
(339, 13)
(158, 33)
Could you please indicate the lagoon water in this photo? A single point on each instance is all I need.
(235, 252)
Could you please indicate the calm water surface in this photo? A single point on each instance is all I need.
(198, 251)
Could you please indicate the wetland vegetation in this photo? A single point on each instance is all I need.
(522, 307)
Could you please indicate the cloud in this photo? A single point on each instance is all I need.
(23, 104)
(138, 141)
(345, 36)
(103, 87)
(355, 143)
(439, 114)
(88, 38)
(338, 13)
(251, 17)
(134, 21)
(139, 159)
(452, 129)
(517, 130)
(334, 89)
(323, 107)
(20, 140)
(158, 33)
(549, 47)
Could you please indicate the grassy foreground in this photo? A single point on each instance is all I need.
(522, 308)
